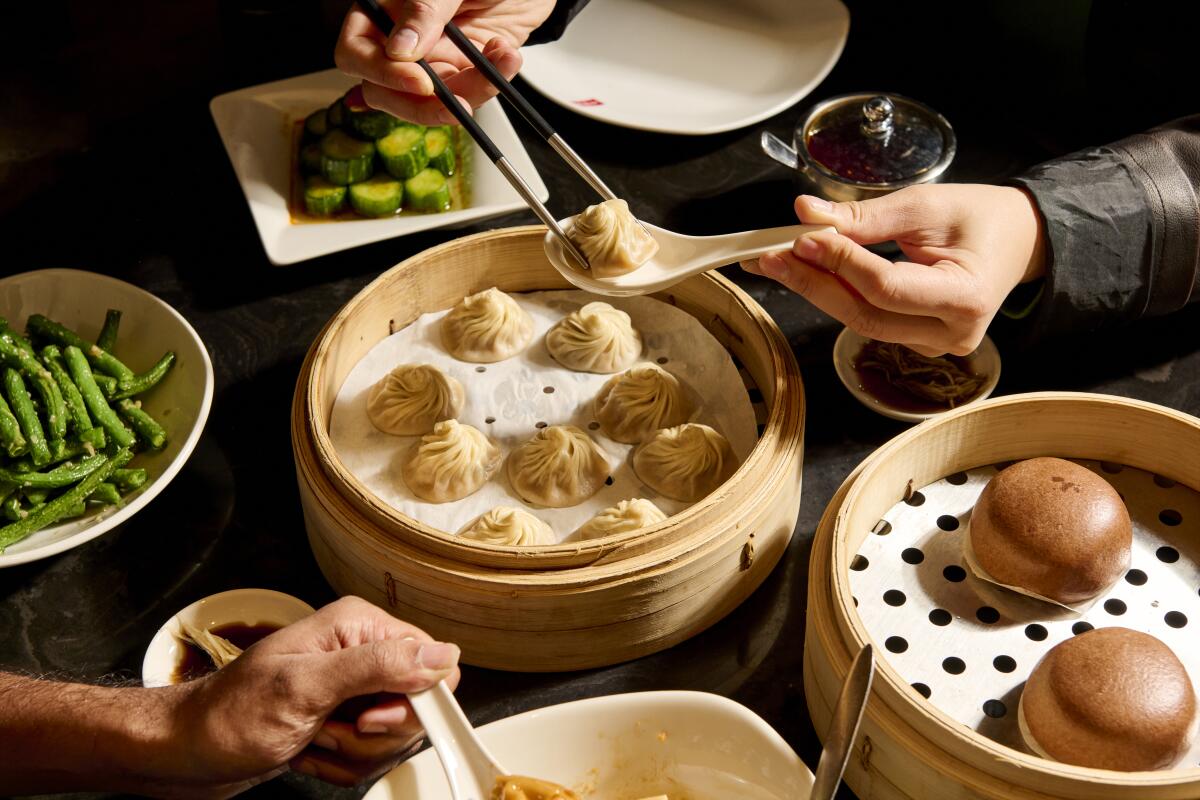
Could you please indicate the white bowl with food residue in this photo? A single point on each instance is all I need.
(241, 616)
(907, 386)
(679, 745)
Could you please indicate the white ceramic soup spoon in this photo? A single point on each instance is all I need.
(678, 257)
(470, 768)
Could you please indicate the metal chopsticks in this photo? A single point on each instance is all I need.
(385, 23)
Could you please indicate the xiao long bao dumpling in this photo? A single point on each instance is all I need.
(411, 398)
(686, 462)
(625, 516)
(633, 405)
(560, 466)
(611, 239)
(486, 327)
(511, 526)
(450, 463)
(595, 338)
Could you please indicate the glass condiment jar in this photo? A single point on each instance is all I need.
(867, 144)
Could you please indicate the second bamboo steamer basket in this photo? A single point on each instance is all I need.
(907, 749)
(556, 607)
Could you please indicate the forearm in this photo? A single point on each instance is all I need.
(59, 737)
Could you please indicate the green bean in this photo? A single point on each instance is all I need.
(147, 380)
(31, 426)
(95, 437)
(12, 507)
(81, 373)
(59, 451)
(107, 339)
(65, 475)
(77, 510)
(52, 400)
(105, 361)
(129, 479)
(21, 341)
(35, 497)
(10, 431)
(52, 358)
(106, 494)
(143, 424)
(63, 505)
(107, 383)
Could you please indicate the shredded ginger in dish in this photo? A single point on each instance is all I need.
(936, 379)
(219, 649)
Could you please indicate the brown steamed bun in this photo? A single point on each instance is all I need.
(1111, 698)
(1053, 528)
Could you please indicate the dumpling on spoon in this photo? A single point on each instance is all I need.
(612, 239)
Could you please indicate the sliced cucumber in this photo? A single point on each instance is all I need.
(310, 159)
(316, 124)
(438, 147)
(427, 191)
(323, 198)
(377, 197)
(403, 151)
(370, 125)
(346, 160)
(336, 113)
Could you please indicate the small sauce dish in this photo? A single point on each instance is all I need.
(251, 607)
(984, 361)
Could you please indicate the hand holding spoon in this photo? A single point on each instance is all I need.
(678, 257)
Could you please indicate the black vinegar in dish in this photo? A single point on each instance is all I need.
(195, 663)
(908, 381)
(349, 165)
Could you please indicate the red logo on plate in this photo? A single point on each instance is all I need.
(591, 101)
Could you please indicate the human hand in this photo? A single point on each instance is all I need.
(271, 707)
(386, 60)
(967, 246)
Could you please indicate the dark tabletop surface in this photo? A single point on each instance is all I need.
(109, 162)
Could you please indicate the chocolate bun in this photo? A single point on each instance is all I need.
(1110, 698)
(1053, 528)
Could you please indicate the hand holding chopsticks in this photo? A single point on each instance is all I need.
(384, 22)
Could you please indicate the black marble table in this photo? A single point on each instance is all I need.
(109, 162)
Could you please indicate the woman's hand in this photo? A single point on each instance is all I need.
(967, 247)
(385, 60)
(271, 707)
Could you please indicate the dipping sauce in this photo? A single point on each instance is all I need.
(908, 381)
(195, 663)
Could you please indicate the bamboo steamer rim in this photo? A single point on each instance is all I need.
(896, 693)
(781, 438)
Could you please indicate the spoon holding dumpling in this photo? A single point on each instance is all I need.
(627, 257)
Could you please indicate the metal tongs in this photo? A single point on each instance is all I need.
(385, 23)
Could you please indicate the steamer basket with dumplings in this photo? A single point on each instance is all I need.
(908, 747)
(552, 607)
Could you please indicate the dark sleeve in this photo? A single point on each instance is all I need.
(1123, 230)
(556, 24)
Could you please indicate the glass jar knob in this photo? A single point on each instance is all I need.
(877, 117)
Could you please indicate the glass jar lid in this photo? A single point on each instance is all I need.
(876, 138)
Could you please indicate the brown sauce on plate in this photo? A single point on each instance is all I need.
(195, 663)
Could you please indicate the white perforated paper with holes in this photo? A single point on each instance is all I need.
(513, 394)
(910, 578)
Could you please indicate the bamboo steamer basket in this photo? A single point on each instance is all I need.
(907, 749)
(554, 607)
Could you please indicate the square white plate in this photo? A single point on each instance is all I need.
(256, 126)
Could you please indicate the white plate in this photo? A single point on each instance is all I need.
(846, 348)
(149, 327)
(682, 744)
(248, 606)
(256, 127)
(689, 66)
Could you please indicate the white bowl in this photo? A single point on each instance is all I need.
(255, 125)
(684, 744)
(250, 606)
(849, 343)
(149, 327)
(689, 66)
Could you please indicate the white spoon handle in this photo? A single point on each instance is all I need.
(469, 767)
(752, 244)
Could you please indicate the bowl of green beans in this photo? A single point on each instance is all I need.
(104, 391)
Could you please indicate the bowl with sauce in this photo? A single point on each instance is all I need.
(867, 144)
(240, 616)
(899, 383)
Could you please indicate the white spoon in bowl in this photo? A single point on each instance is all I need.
(678, 257)
(470, 768)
